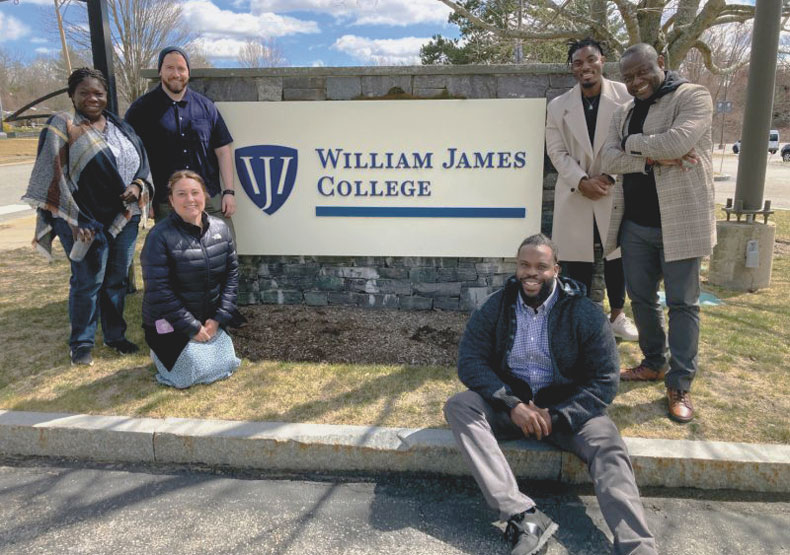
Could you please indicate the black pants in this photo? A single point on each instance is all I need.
(612, 274)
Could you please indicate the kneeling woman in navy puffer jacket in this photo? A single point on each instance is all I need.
(191, 276)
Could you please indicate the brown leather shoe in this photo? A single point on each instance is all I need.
(680, 407)
(642, 373)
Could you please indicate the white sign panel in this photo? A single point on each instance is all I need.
(387, 178)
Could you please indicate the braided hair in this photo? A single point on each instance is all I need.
(79, 75)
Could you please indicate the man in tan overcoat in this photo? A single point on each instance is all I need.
(577, 123)
(662, 215)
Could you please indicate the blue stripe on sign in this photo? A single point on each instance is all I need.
(418, 212)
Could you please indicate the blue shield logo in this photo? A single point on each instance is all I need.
(268, 174)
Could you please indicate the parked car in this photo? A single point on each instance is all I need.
(773, 143)
(786, 153)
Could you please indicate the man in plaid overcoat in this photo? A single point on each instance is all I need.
(663, 215)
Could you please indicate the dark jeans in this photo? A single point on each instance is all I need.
(645, 267)
(97, 288)
(612, 274)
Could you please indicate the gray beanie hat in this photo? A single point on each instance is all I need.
(167, 50)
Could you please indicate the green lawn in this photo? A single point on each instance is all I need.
(742, 392)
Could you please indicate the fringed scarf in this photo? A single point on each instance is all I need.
(75, 177)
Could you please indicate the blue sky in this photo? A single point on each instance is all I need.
(307, 32)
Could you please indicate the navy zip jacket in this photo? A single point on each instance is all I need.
(583, 351)
(191, 274)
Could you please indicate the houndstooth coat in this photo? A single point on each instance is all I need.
(676, 123)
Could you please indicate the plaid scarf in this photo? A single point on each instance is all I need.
(76, 178)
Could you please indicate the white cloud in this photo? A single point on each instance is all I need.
(46, 51)
(381, 51)
(206, 18)
(363, 12)
(11, 28)
(38, 40)
(224, 49)
(317, 63)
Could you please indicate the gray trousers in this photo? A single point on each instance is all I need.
(478, 426)
(644, 267)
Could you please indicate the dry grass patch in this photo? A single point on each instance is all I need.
(742, 392)
(18, 150)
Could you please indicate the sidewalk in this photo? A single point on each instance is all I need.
(285, 447)
(17, 231)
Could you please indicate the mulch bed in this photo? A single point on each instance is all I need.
(351, 335)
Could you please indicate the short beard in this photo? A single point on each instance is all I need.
(540, 298)
(588, 85)
(167, 86)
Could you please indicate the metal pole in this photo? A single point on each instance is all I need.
(750, 184)
(101, 45)
(64, 48)
(2, 134)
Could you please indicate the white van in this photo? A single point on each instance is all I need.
(773, 141)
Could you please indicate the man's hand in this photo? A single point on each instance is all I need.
(228, 205)
(686, 162)
(532, 419)
(595, 187)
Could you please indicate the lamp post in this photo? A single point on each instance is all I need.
(743, 257)
(101, 46)
(2, 133)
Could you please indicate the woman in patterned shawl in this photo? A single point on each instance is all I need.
(91, 185)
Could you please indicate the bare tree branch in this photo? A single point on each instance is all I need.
(261, 53)
(650, 21)
(707, 57)
(139, 29)
(628, 14)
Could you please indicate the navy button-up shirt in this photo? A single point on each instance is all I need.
(179, 136)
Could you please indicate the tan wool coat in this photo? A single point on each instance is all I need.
(568, 146)
(677, 123)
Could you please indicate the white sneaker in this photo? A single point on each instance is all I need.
(624, 328)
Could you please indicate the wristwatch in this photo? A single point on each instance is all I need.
(229, 192)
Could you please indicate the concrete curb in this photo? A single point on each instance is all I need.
(324, 448)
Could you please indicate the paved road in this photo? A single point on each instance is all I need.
(60, 507)
(777, 180)
(13, 183)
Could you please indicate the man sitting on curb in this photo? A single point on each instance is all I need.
(539, 359)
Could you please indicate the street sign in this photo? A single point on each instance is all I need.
(723, 106)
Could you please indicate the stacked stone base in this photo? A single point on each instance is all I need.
(406, 283)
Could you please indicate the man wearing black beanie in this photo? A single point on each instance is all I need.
(182, 130)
